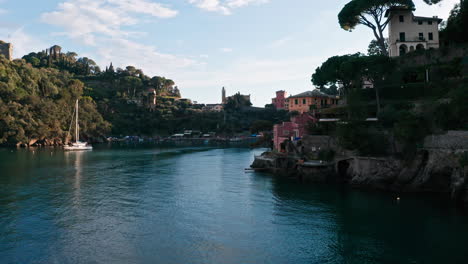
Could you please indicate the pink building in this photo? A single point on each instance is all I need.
(279, 100)
(294, 129)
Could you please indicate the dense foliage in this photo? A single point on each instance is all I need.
(37, 95)
(37, 104)
(456, 29)
(370, 14)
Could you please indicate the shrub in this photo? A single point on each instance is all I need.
(367, 140)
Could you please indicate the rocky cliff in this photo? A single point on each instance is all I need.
(436, 171)
(436, 168)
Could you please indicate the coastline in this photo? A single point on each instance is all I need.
(436, 169)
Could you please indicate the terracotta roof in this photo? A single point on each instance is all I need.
(398, 8)
(314, 93)
(417, 18)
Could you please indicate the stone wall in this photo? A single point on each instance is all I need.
(435, 171)
(453, 140)
(315, 143)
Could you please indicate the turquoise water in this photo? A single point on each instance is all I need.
(197, 205)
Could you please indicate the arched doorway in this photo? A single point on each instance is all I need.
(342, 168)
(420, 47)
(403, 49)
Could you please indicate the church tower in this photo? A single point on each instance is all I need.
(223, 96)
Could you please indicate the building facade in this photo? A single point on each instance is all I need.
(213, 108)
(279, 100)
(292, 130)
(151, 102)
(408, 32)
(6, 49)
(304, 102)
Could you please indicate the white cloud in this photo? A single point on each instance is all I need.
(145, 7)
(224, 7)
(225, 50)
(442, 9)
(255, 76)
(242, 3)
(84, 19)
(281, 42)
(22, 42)
(3, 11)
(125, 52)
(211, 5)
(100, 24)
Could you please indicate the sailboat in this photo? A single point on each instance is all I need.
(77, 145)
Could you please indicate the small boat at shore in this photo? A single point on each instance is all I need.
(77, 145)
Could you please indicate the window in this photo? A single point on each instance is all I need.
(420, 23)
(421, 36)
(429, 22)
(402, 18)
(304, 101)
(402, 36)
(431, 36)
(285, 132)
(296, 101)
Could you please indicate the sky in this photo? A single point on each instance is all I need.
(254, 47)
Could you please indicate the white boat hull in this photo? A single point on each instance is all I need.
(78, 146)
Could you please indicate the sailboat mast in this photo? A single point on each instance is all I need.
(77, 133)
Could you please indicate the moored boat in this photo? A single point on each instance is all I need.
(77, 145)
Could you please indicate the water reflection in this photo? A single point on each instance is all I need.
(76, 158)
(189, 205)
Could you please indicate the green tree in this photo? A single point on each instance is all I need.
(376, 70)
(370, 14)
(342, 70)
(375, 49)
(237, 101)
(456, 29)
(261, 126)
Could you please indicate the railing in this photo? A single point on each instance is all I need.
(416, 39)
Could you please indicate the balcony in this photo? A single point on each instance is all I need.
(413, 39)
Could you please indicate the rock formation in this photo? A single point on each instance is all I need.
(438, 167)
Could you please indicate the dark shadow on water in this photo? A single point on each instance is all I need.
(375, 227)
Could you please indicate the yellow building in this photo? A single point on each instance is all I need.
(306, 101)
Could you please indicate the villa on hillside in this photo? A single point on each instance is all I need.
(408, 32)
(213, 108)
(306, 101)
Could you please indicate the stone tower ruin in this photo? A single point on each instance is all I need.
(6, 49)
(223, 96)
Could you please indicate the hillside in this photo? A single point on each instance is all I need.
(36, 105)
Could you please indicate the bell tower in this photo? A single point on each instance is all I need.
(223, 95)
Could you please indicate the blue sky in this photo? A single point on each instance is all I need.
(252, 46)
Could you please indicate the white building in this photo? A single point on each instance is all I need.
(213, 108)
(408, 32)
